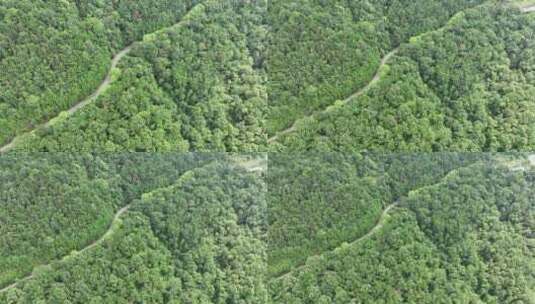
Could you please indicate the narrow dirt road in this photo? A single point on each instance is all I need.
(528, 9)
(95, 243)
(105, 235)
(16, 283)
(372, 231)
(101, 88)
(358, 93)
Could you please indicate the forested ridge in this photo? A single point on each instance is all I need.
(194, 86)
(235, 73)
(461, 237)
(349, 96)
(52, 192)
(321, 51)
(318, 201)
(68, 45)
(460, 88)
(52, 233)
(201, 227)
(204, 229)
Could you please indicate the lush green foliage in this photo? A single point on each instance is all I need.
(217, 75)
(55, 53)
(234, 71)
(194, 86)
(318, 201)
(130, 265)
(203, 231)
(55, 203)
(466, 87)
(197, 238)
(214, 223)
(50, 206)
(324, 50)
(466, 239)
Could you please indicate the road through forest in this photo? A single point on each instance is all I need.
(363, 90)
(76, 253)
(100, 89)
(253, 165)
(358, 93)
(531, 162)
(378, 225)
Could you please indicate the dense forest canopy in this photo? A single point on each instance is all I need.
(317, 201)
(68, 200)
(321, 51)
(330, 75)
(55, 203)
(347, 95)
(202, 228)
(465, 235)
(55, 53)
(197, 236)
(468, 86)
(197, 85)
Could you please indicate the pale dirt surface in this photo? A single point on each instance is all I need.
(7, 147)
(531, 159)
(520, 165)
(254, 165)
(528, 9)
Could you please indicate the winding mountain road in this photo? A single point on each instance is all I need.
(101, 88)
(372, 231)
(105, 235)
(358, 93)
(379, 224)
(375, 79)
(76, 253)
(79, 105)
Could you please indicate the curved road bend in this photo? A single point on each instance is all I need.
(372, 231)
(93, 244)
(361, 91)
(100, 89)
